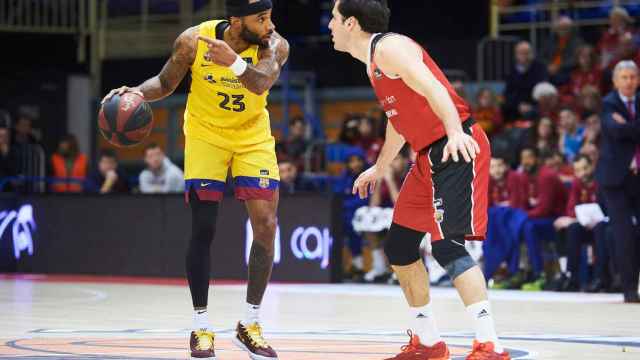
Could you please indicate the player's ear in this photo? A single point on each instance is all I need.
(235, 21)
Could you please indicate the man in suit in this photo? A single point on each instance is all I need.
(619, 171)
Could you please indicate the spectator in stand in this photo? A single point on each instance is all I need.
(555, 161)
(504, 221)
(385, 195)
(295, 145)
(161, 176)
(31, 161)
(23, 131)
(107, 179)
(620, 24)
(539, 192)
(342, 187)
(69, 166)
(592, 129)
(8, 160)
(618, 171)
(526, 73)
(543, 135)
(487, 113)
(368, 139)
(350, 132)
(571, 134)
(583, 191)
(589, 102)
(291, 182)
(586, 73)
(591, 151)
(547, 101)
(559, 52)
(627, 50)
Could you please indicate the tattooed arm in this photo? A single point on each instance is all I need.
(265, 73)
(165, 83)
(256, 78)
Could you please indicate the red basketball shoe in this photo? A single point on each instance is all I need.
(486, 351)
(416, 351)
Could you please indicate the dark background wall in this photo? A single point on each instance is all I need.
(148, 236)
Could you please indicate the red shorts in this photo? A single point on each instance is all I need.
(448, 200)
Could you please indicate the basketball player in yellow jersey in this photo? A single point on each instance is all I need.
(233, 65)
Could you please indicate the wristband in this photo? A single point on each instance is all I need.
(239, 66)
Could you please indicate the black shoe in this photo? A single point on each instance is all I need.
(631, 297)
(596, 286)
(616, 286)
(570, 285)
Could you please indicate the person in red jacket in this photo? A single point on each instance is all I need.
(583, 191)
(539, 192)
(69, 166)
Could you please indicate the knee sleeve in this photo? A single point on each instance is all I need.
(203, 225)
(203, 220)
(402, 245)
(452, 256)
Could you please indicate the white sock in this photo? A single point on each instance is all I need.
(424, 325)
(358, 262)
(482, 318)
(201, 320)
(252, 314)
(379, 262)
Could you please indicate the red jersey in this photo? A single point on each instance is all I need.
(409, 112)
(542, 195)
(499, 191)
(581, 193)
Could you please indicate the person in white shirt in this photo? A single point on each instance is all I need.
(161, 176)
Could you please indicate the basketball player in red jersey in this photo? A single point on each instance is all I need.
(445, 193)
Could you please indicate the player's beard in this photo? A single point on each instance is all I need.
(251, 37)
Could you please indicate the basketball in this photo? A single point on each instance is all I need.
(125, 120)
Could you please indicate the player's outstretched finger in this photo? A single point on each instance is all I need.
(471, 149)
(476, 146)
(465, 153)
(445, 155)
(454, 154)
(363, 190)
(206, 39)
(109, 96)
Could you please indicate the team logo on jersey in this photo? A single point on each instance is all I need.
(377, 73)
(263, 183)
(209, 78)
(248, 60)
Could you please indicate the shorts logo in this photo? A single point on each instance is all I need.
(263, 183)
(264, 172)
(438, 205)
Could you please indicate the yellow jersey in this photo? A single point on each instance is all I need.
(220, 110)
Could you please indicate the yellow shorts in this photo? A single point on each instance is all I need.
(254, 169)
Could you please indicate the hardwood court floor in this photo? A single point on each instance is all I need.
(79, 318)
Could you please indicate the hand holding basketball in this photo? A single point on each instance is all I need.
(120, 91)
(125, 119)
